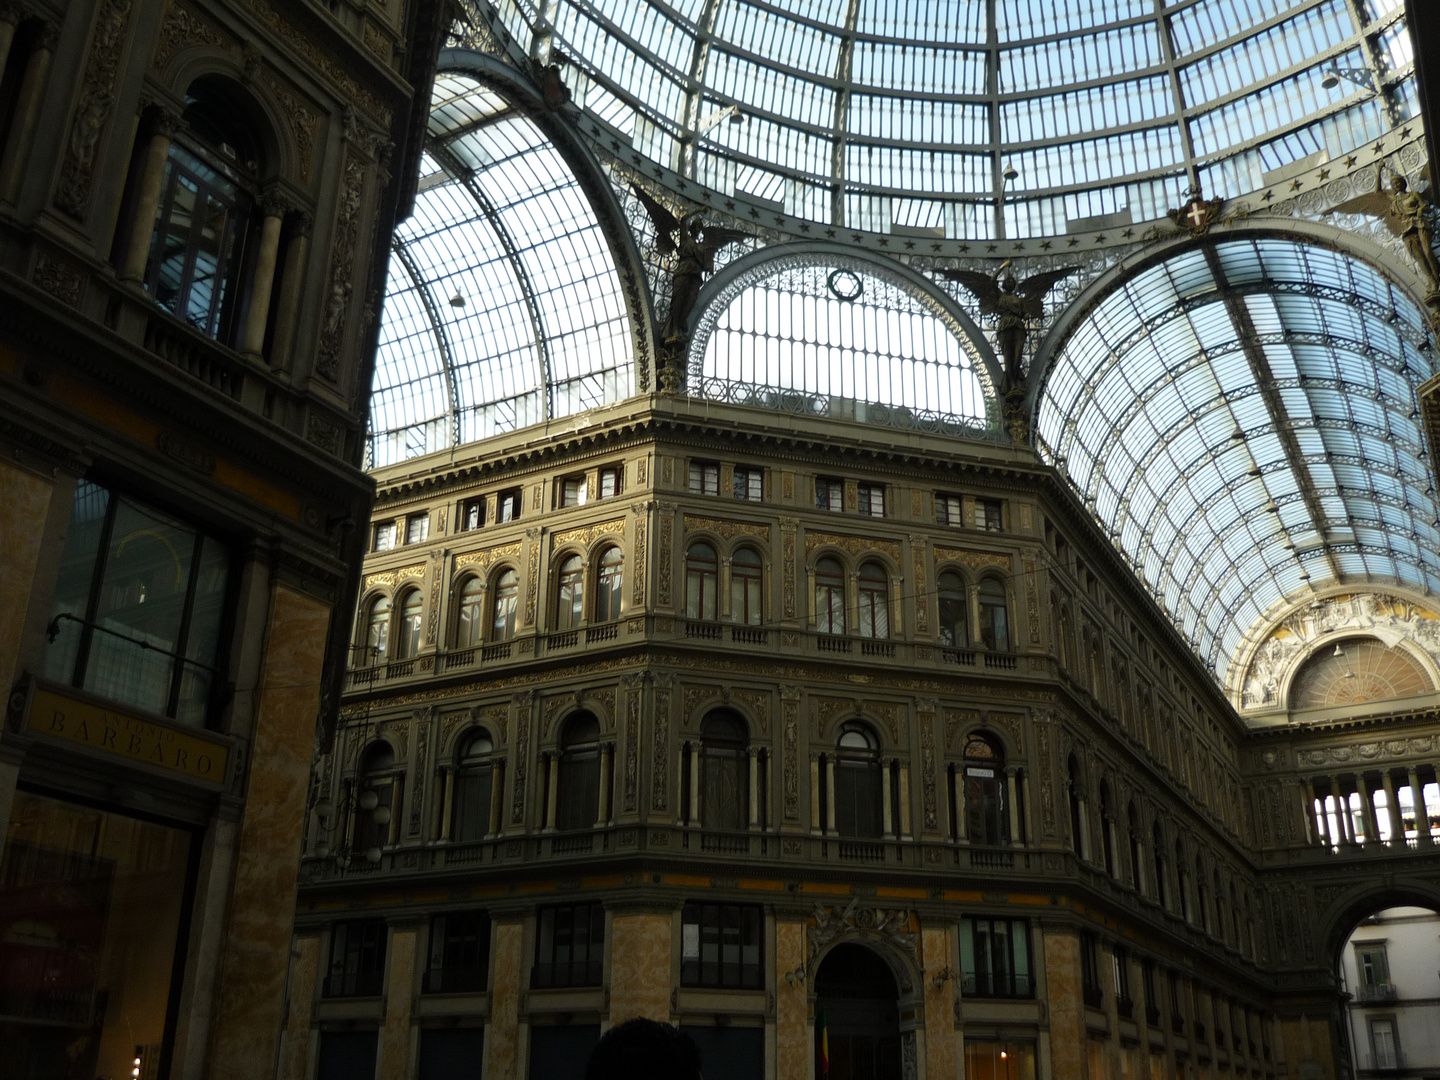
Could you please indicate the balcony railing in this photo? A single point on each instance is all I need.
(1094, 996)
(992, 984)
(354, 984)
(703, 631)
(749, 635)
(1377, 994)
(832, 643)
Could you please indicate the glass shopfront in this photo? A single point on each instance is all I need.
(92, 905)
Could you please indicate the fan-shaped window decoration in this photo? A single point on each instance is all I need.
(994, 617)
(503, 306)
(570, 593)
(724, 773)
(747, 581)
(954, 622)
(779, 338)
(702, 576)
(1354, 671)
(986, 815)
(467, 623)
(874, 601)
(858, 786)
(377, 630)
(610, 585)
(578, 797)
(407, 642)
(476, 810)
(503, 607)
(829, 597)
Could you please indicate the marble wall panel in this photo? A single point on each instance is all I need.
(639, 966)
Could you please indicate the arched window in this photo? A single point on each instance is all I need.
(724, 773)
(1077, 809)
(578, 798)
(376, 800)
(747, 578)
(570, 593)
(986, 813)
(994, 622)
(874, 601)
(858, 787)
(503, 606)
(1132, 825)
(407, 643)
(1107, 826)
(205, 218)
(468, 623)
(610, 584)
(829, 597)
(1157, 848)
(474, 809)
(702, 578)
(377, 631)
(954, 622)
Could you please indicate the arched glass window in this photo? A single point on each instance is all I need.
(610, 583)
(474, 789)
(829, 597)
(1132, 824)
(747, 579)
(702, 576)
(411, 621)
(986, 815)
(1157, 849)
(578, 797)
(570, 593)
(724, 773)
(994, 621)
(858, 787)
(1077, 809)
(874, 601)
(468, 624)
(205, 216)
(503, 607)
(1107, 826)
(954, 625)
(376, 798)
(377, 631)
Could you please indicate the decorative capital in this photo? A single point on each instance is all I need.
(49, 35)
(164, 120)
(276, 204)
(11, 11)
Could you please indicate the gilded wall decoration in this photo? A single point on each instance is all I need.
(419, 782)
(855, 545)
(790, 749)
(917, 503)
(497, 717)
(667, 471)
(976, 560)
(587, 534)
(828, 710)
(660, 762)
(524, 717)
(894, 717)
(921, 587)
(532, 580)
(727, 527)
(665, 555)
(92, 111)
(787, 566)
(449, 723)
(432, 619)
(482, 560)
(1032, 601)
(339, 290)
(691, 697)
(637, 590)
(1011, 726)
(394, 577)
(183, 29)
(787, 486)
(1047, 786)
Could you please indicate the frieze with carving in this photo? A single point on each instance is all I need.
(394, 577)
(660, 765)
(184, 29)
(976, 560)
(727, 527)
(664, 553)
(588, 534)
(487, 557)
(855, 545)
(92, 111)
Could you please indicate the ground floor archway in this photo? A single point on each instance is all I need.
(857, 1014)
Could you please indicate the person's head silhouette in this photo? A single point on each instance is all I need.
(644, 1048)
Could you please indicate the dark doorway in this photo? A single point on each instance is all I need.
(855, 994)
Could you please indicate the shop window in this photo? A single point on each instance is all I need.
(858, 785)
(986, 815)
(720, 946)
(990, 513)
(472, 809)
(449, 1053)
(468, 619)
(387, 535)
(949, 509)
(874, 601)
(504, 605)
(140, 607)
(749, 484)
(829, 597)
(357, 959)
(570, 593)
(345, 1055)
(724, 773)
(91, 907)
(612, 481)
(994, 619)
(995, 958)
(417, 528)
(702, 577)
(578, 797)
(609, 585)
(573, 491)
(870, 499)
(412, 623)
(988, 1060)
(459, 953)
(377, 631)
(954, 620)
(1090, 987)
(507, 505)
(472, 514)
(569, 946)
(829, 494)
(747, 578)
(704, 478)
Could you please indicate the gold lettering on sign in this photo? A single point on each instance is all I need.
(115, 733)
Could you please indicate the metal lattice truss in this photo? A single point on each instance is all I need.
(1242, 419)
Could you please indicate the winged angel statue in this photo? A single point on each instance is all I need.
(1408, 215)
(1014, 307)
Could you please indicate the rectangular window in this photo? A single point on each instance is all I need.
(573, 491)
(986, 1060)
(1382, 1044)
(720, 945)
(459, 952)
(91, 905)
(446, 1054)
(417, 528)
(140, 607)
(612, 481)
(704, 478)
(387, 535)
(472, 514)
(346, 1054)
(1090, 971)
(1152, 993)
(995, 958)
(870, 499)
(1373, 963)
(357, 959)
(989, 513)
(507, 505)
(949, 510)
(829, 494)
(749, 484)
(1120, 960)
(569, 946)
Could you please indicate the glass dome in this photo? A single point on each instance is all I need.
(969, 120)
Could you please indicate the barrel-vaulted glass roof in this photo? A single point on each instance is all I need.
(910, 114)
(503, 306)
(1242, 418)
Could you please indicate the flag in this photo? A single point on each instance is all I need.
(824, 1046)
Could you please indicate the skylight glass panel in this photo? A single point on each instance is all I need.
(1125, 50)
(922, 21)
(1018, 20)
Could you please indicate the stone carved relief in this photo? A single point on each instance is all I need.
(304, 123)
(921, 586)
(634, 686)
(1032, 601)
(1047, 785)
(339, 291)
(927, 768)
(58, 278)
(957, 722)
(183, 29)
(889, 925)
(728, 528)
(976, 560)
(588, 534)
(637, 590)
(92, 111)
(787, 567)
(827, 710)
(418, 778)
(432, 619)
(524, 718)
(394, 577)
(664, 552)
(660, 763)
(790, 742)
(855, 545)
(488, 557)
(532, 579)
(757, 704)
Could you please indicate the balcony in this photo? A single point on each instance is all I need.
(1377, 994)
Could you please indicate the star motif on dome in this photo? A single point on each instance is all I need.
(1324, 174)
(1074, 240)
(1350, 161)
(1045, 245)
(909, 244)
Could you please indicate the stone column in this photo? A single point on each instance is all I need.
(1422, 815)
(1340, 814)
(1392, 808)
(9, 20)
(815, 820)
(1307, 792)
(292, 287)
(887, 821)
(296, 1040)
(941, 1045)
(27, 112)
(904, 799)
(400, 993)
(830, 793)
(607, 771)
(552, 788)
(640, 965)
(163, 126)
(274, 206)
(958, 782)
(1068, 1041)
(497, 789)
(502, 1034)
(754, 761)
(695, 821)
(1086, 850)
(1372, 827)
(447, 810)
(1013, 804)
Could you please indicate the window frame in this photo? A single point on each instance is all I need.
(698, 572)
(504, 630)
(470, 612)
(704, 478)
(470, 939)
(833, 585)
(746, 586)
(390, 531)
(1008, 970)
(417, 523)
(748, 483)
(357, 971)
(571, 972)
(830, 494)
(471, 514)
(608, 604)
(570, 592)
(870, 499)
(737, 973)
(508, 505)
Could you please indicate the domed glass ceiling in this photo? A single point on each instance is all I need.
(905, 115)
